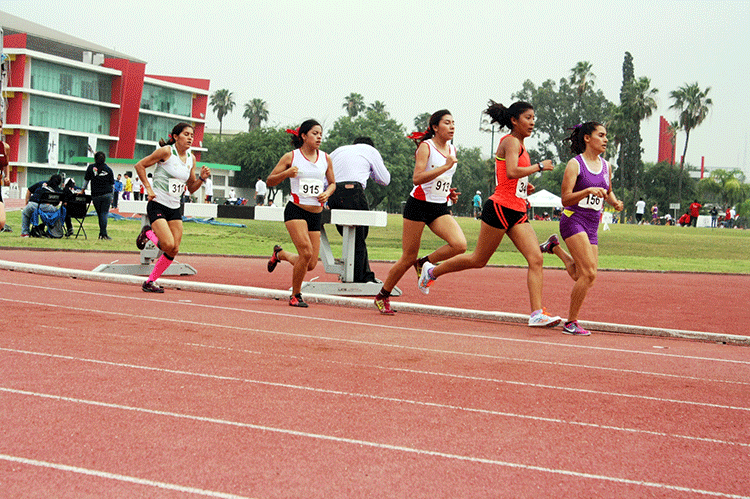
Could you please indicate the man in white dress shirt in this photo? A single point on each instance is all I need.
(352, 166)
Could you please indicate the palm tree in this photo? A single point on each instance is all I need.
(581, 76)
(354, 104)
(693, 105)
(221, 103)
(378, 107)
(256, 112)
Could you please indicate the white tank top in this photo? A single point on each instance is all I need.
(437, 190)
(170, 179)
(310, 181)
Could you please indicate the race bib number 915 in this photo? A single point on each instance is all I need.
(310, 187)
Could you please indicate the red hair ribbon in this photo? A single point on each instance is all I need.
(293, 132)
(416, 135)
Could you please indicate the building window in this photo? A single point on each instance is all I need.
(167, 100)
(155, 127)
(62, 115)
(65, 80)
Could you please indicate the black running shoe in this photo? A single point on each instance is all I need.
(296, 301)
(274, 260)
(142, 239)
(151, 287)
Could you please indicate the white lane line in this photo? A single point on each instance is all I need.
(382, 446)
(341, 393)
(382, 326)
(116, 476)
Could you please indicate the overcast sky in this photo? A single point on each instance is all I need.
(303, 57)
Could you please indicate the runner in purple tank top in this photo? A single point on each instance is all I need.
(586, 185)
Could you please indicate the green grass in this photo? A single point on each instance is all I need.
(632, 247)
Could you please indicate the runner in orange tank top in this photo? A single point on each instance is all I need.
(505, 211)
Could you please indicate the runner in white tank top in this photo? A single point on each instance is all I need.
(438, 189)
(427, 205)
(175, 171)
(310, 181)
(310, 174)
(170, 178)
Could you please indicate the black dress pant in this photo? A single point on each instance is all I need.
(351, 196)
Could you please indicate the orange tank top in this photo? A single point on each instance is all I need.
(511, 192)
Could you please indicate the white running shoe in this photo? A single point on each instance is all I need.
(425, 281)
(540, 318)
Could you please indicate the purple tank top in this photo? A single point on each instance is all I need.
(587, 179)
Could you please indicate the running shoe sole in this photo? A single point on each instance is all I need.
(142, 239)
(274, 260)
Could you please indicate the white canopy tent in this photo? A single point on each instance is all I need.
(544, 199)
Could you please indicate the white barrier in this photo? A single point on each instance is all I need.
(150, 253)
(344, 269)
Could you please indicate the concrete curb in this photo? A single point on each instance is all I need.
(346, 301)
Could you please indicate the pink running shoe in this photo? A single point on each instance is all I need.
(548, 245)
(574, 329)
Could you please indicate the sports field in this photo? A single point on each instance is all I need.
(628, 247)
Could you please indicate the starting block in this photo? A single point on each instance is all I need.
(150, 253)
(343, 268)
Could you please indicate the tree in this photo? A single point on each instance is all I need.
(422, 121)
(390, 140)
(660, 181)
(256, 112)
(639, 104)
(472, 174)
(378, 107)
(354, 104)
(558, 107)
(581, 78)
(726, 188)
(222, 103)
(693, 105)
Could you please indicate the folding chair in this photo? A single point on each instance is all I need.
(49, 218)
(78, 207)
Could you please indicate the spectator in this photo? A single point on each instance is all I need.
(260, 192)
(102, 184)
(477, 201)
(137, 189)
(640, 209)
(117, 190)
(714, 215)
(208, 185)
(33, 196)
(684, 219)
(128, 187)
(695, 211)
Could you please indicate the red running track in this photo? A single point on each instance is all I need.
(713, 303)
(106, 391)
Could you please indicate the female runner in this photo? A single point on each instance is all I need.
(308, 170)
(427, 205)
(175, 169)
(505, 211)
(587, 183)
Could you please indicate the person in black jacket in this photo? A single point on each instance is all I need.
(102, 186)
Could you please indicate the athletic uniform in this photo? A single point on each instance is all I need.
(309, 183)
(506, 207)
(429, 201)
(168, 183)
(584, 217)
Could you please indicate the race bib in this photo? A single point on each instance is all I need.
(521, 186)
(310, 187)
(442, 185)
(176, 187)
(591, 202)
